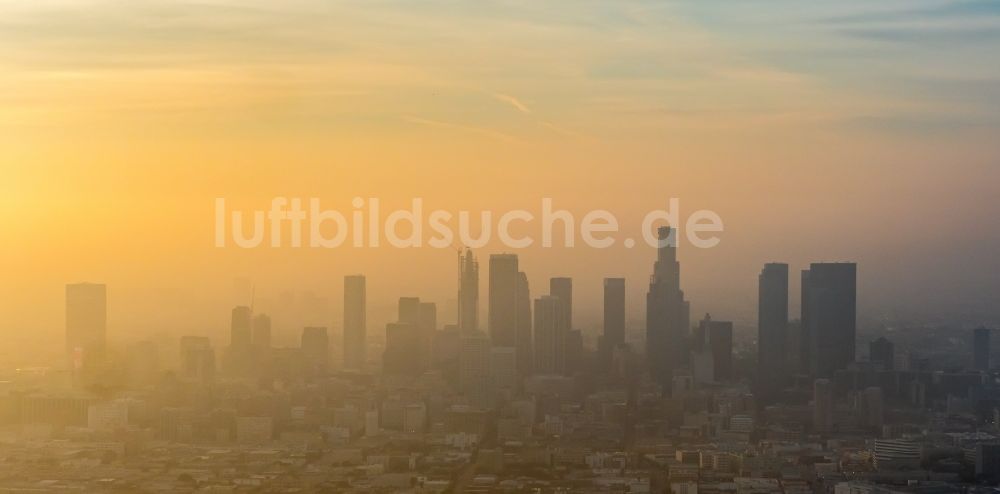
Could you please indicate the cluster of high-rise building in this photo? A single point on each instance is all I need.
(536, 335)
(517, 402)
(823, 340)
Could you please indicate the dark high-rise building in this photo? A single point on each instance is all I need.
(881, 352)
(525, 350)
(241, 328)
(420, 321)
(717, 338)
(473, 367)
(720, 342)
(805, 366)
(793, 347)
(315, 348)
(355, 322)
(563, 288)
(614, 319)
(510, 309)
(240, 358)
(444, 351)
(427, 316)
(667, 313)
(829, 316)
(427, 323)
(409, 310)
(86, 323)
(468, 292)
(550, 335)
(981, 349)
(772, 329)
(401, 342)
(262, 331)
(504, 281)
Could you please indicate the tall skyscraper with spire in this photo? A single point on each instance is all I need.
(355, 322)
(667, 313)
(468, 292)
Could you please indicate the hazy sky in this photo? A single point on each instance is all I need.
(848, 130)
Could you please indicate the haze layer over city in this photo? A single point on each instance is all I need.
(294, 215)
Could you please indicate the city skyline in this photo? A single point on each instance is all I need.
(879, 126)
(827, 323)
(500, 246)
(406, 309)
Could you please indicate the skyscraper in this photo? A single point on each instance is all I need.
(241, 328)
(667, 313)
(772, 329)
(504, 280)
(408, 341)
(563, 288)
(525, 342)
(262, 331)
(614, 319)
(355, 322)
(474, 366)
(240, 358)
(717, 338)
(468, 292)
(86, 323)
(829, 316)
(981, 349)
(409, 310)
(427, 316)
(401, 356)
(550, 335)
(805, 365)
(427, 325)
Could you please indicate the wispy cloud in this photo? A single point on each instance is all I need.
(512, 101)
(471, 129)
